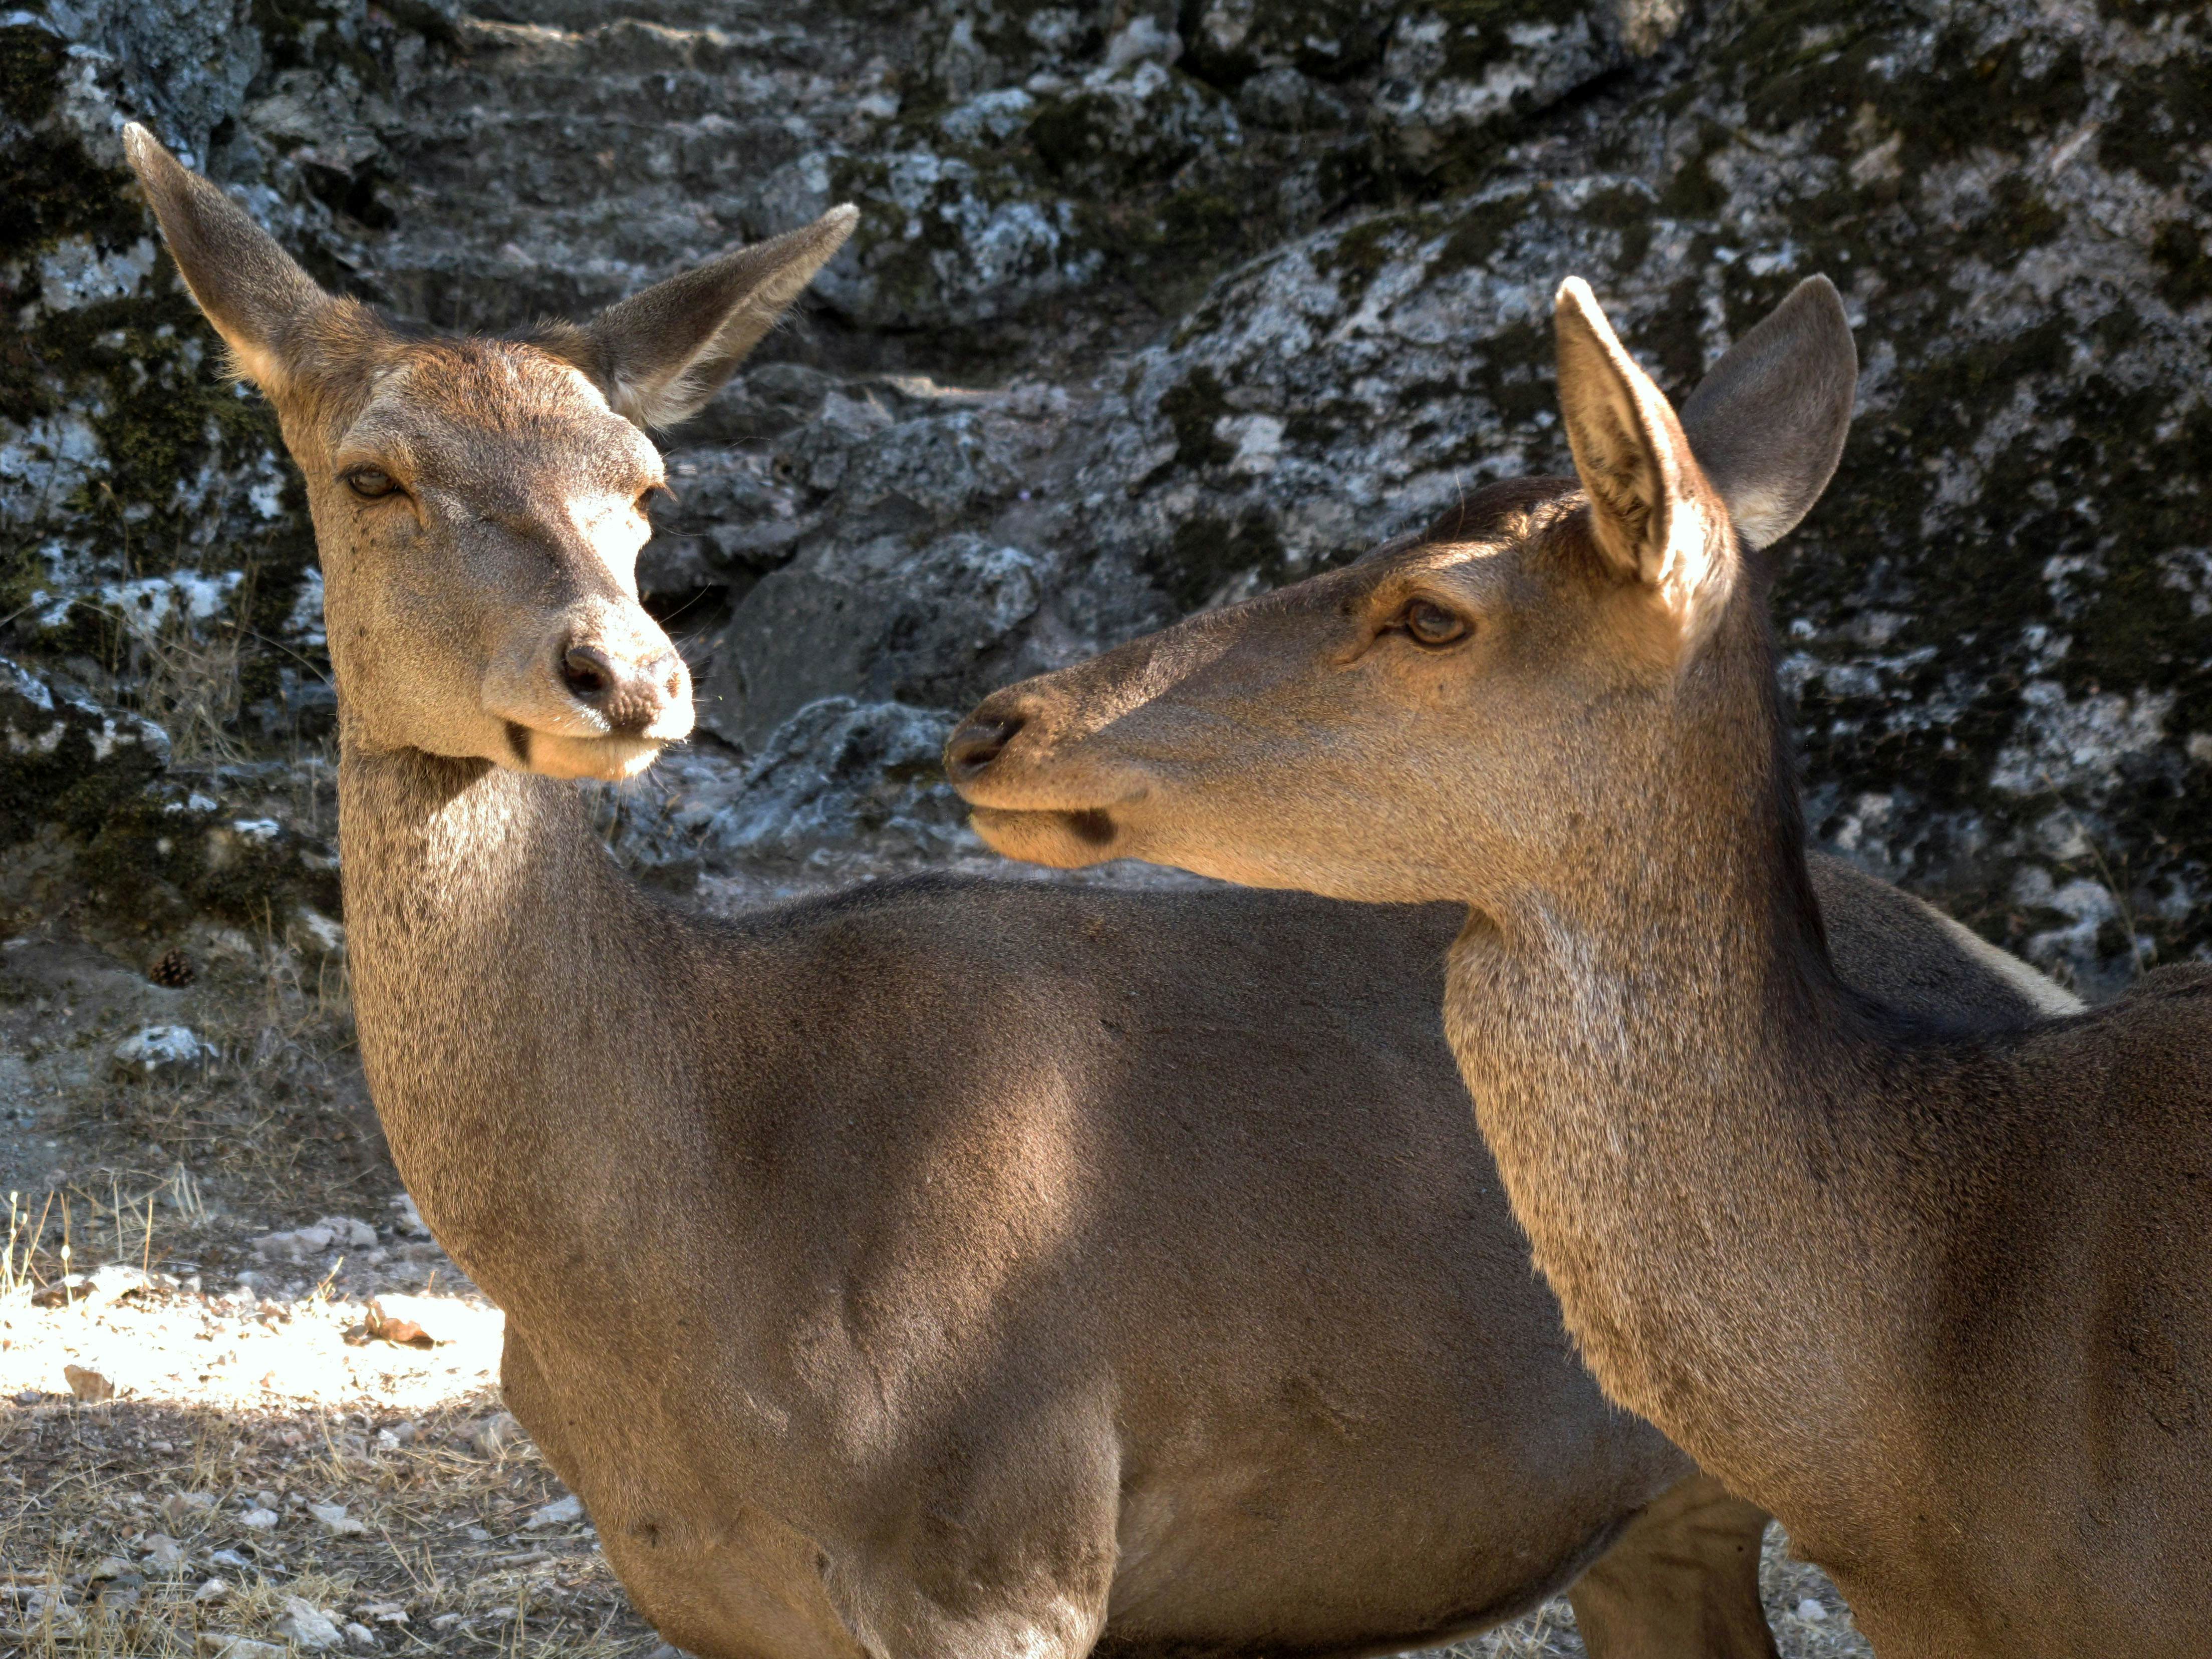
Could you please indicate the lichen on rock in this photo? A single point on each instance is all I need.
(1154, 307)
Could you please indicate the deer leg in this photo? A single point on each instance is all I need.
(1682, 1579)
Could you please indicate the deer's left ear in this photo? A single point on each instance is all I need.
(660, 354)
(1655, 518)
(1768, 423)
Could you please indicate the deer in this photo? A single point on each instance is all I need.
(943, 1265)
(1938, 1296)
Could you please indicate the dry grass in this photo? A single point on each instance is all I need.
(221, 1399)
(185, 680)
(114, 1516)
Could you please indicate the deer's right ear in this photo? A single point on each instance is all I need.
(259, 300)
(659, 355)
(1652, 513)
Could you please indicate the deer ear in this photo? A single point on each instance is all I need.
(1654, 516)
(1768, 424)
(659, 355)
(259, 300)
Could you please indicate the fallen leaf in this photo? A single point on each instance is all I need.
(391, 1328)
(86, 1385)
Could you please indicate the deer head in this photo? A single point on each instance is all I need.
(479, 503)
(1468, 713)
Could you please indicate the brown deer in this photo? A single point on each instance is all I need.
(1941, 1299)
(945, 1267)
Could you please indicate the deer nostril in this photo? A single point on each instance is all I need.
(976, 745)
(588, 672)
(665, 670)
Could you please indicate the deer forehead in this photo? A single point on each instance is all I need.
(1497, 519)
(476, 416)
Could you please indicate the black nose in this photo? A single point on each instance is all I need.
(631, 695)
(976, 745)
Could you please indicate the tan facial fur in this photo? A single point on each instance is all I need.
(479, 504)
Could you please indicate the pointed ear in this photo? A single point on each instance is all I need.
(659, 355)
(259, 300)
(1768, 424)
(1655, 518)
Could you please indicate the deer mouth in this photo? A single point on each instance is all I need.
(610, 759)
(1064, 838)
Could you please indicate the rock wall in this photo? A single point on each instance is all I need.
(1152, 305)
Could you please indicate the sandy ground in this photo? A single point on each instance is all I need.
(247, 1405)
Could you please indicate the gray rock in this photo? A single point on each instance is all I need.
(217, 1646)
(498, 1433)
(561, 1513)
(162, 1553)
(881, 621)
(1275, 280)
(839, 774)
(305, 1624)
(158, 1050)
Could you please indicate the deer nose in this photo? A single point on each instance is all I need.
(631, 695)
(978, 743)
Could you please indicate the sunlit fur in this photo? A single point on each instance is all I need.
(845, 1248)
(1941, 1297)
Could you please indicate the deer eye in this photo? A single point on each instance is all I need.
(370, 482)
(1427, 622)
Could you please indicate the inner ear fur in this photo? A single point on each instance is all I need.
(1652, 513)
(661, 353)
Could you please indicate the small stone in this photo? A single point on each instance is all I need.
(186, 1508)
(232, 1559)
(212, 1590)
(495, 1435)
(240, 1647)
(1811, 1611)
(163, 1552)
(308, 1625)
(361, 1638)
(334, 1516)
(561, 1513)
(156, 1050)
(345, 1230)
(445, 1622)
(259, 1520)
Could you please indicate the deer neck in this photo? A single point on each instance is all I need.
(1634, 1040)
(484, 923)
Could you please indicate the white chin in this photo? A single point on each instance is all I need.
(609, 760)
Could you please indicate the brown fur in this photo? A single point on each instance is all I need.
(943, 1267)
(1941, 1297)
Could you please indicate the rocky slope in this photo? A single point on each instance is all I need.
(1152, 305)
